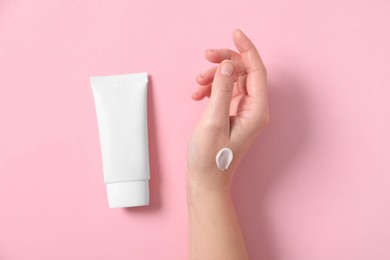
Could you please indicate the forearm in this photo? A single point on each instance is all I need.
(214, 230)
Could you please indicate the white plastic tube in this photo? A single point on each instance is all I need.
(121, 108)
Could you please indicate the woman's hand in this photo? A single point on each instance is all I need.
(236, 113)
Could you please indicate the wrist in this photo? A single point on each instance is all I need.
(201, 190)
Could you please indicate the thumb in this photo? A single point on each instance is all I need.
(221, 94)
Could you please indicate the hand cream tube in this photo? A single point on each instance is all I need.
(121, 110)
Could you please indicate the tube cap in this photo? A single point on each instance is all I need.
(128, 194)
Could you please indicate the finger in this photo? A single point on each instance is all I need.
(206, 78)
(205, 91)
(241, 83)
(257, 79)
(201, 92)
(219, 55)
(218, 108)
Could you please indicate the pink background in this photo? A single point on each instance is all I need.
(314, 186)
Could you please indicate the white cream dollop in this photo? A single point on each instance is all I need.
(223, 158)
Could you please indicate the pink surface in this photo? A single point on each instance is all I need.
(314, 186)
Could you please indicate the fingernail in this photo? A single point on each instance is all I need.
(227, 69)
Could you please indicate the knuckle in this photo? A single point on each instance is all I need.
(260, 69)
(214, 125)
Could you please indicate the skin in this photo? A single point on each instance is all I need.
(235, 115)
